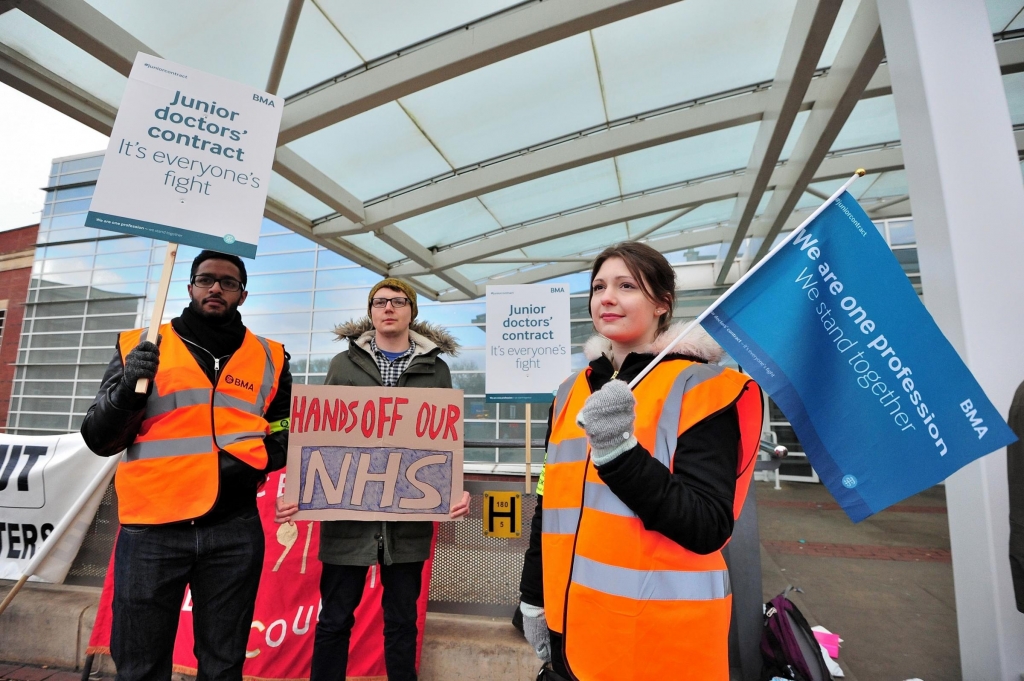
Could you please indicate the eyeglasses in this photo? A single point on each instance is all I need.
(228, 284)
(397, 302)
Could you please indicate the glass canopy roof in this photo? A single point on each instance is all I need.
(464, 142)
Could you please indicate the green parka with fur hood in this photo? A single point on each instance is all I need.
(350, 542)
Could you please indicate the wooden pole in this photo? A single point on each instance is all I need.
(13, 592)
(528, 443)
(158, 309)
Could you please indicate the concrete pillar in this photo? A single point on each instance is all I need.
(968, 198)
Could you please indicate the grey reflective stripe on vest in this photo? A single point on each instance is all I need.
(563, 394)
(222, 400)
(157, 405)
(599, 498)
(560, 520)
(651, 585)
(232, 438)
(668, 422)
(268, 378)
(178, 447)
(567, 451)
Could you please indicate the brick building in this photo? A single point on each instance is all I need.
(17, 251)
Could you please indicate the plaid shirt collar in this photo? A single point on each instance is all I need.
(390, 371)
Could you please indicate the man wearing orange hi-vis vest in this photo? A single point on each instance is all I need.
(197, 447)
(624, 579)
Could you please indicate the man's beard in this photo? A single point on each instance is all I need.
(227, 314)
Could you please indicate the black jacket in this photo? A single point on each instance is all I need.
(1015, 476)
(114, 419)
(692, 505)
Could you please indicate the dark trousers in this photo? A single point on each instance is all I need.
(557, 661)
(341, 588)
(152, 567)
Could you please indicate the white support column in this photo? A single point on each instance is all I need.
(968, 196)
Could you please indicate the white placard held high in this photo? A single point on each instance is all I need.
(528, 341)
(189, 159)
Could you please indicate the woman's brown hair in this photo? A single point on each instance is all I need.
(651, 270)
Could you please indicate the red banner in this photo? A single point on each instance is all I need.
(287, 608)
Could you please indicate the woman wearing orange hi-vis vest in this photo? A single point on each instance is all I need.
(624, 578)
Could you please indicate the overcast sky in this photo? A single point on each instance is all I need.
(31, 134)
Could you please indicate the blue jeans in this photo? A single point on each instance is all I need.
(341, 588)
(153, 565)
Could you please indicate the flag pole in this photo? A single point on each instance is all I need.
(703, 315)
(62, 527)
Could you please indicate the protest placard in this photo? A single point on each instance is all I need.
(528, 342)
(529, 347)
(372, 453)
(189, 159)
(189, 162)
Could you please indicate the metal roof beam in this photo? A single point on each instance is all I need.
(563, 266)
(695, 120)
(881, 205)
(856, 62)
(24, 75)
(689, 195)
(518, 30)
(808, 31)
(285, 216)
(284, 44)
(397, 238)
(88, 28)
(307, 177)
(460, 282)
(574, 223)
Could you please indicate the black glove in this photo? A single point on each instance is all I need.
(141, 362)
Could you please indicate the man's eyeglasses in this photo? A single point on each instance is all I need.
(226, 283)
(396, 302)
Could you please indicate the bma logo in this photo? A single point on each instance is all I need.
(558, 289)
(269, 101)
(231, 380)
(21, 475)
(972, 415)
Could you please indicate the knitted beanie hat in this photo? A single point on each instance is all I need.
(396, 284)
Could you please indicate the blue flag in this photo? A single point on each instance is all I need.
(832, 329)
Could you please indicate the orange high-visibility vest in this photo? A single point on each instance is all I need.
(171, 472)
(631, 603)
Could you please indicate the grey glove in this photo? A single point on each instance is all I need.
(535, 628)
(141, 362)
(607, 417)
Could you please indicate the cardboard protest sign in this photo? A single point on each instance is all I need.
(528, 341)
(189, 159)
(371, 453)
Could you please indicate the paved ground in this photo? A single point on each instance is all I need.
(884, 585)
(14, 672)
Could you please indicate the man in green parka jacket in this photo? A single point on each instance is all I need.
(385, 348)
